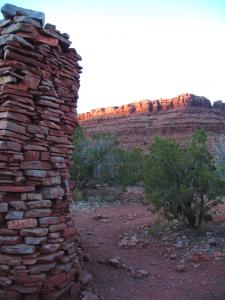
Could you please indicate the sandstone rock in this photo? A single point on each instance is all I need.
(212, 241)
(199, 257)
(25, 290)
(50, 258)
(38, 165)
(34, 232)
(4, 268)
(217, 255)
(16, 189)
(41, 268)
(49, 220)
(13, 37)
(54, 192)
(57, 227)
(28, 278)
(128, 242)
(90, 296)
(10, 240)
(14, 215)
(18, 249)
(35, 240)
(138, 273)
(9, 11)
(34, 213)
(10, 260)
(85, 278)
(39, 204)
(18, 205)
(181, 268)
(28, 20)
(5, 281)
(3, 207)
(49, 248)
(35, 173)
(21, 224)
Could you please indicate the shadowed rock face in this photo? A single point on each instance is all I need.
(137, 124)
(40, 250)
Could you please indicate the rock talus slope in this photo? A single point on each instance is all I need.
(138, 123)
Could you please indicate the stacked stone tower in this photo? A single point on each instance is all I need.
(39, 82)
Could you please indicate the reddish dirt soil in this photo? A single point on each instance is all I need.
(204, 280)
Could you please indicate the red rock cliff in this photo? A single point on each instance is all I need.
(137, 124)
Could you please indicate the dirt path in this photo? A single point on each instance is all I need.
(202, 278)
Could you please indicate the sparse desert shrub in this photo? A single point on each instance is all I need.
(100, 160)
(95, 161)
(220, 157)
(183, 181)
(131, 167)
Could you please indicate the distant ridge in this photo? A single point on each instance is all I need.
(137, 123)
(148, 106)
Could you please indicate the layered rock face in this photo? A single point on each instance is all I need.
(137, 124)
(39, 82)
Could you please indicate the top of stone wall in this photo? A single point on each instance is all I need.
(9, 11)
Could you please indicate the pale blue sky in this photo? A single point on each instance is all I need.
(142, 49)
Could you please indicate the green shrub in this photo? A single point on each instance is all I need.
(100, 160)
(183, 182)
(220, 158)
(131, 167)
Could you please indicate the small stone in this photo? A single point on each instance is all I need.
(39, 204)
(173, 256)
(34, 240)
(14, 215)
(4, 268)
(139, 273)
(128, 242)
(25, 290)
(53, 192)
(50, 257)
(196, 266)
(49, 220)
(10, 240)
(21, 224)
(18, 249)
(41, 268)
(49, 248)
(3, 207)
(57, 227)
(34, 232)
(212, 241)
(199, 257)
(85, 278)
(5, 38)
(35, 213)
(9, 11)
(90, 296)
(181, 268)
(217, 255)
(5, 281)
(99, 217)
(18, 205)
(26, 19)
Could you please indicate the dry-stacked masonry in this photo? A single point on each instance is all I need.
(39, 82)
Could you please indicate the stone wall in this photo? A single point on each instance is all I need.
(39, 82)
(138, 123)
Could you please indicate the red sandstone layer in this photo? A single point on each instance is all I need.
(137, 124)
